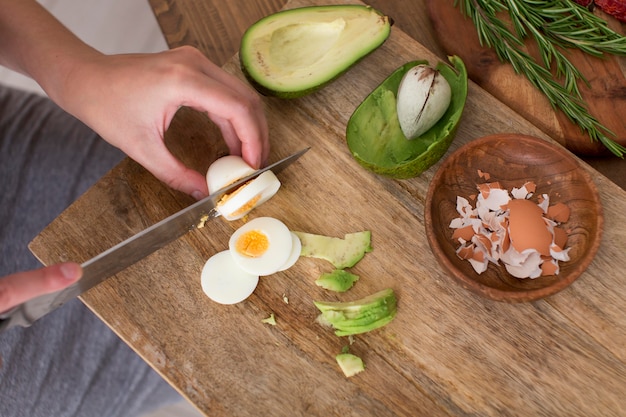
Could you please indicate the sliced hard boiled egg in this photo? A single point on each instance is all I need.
(296, 248)
(250, 195)
(262, 246)
(224, 282)
(229, 169)
(225, 171)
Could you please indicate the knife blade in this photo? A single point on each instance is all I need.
(132, 250)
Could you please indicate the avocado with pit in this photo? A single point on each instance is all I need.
(342, 253)
(374, 135)
(295, 52)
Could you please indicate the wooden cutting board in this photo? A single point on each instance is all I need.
(448, 352)
(605, 96)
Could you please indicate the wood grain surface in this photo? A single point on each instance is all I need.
(448, 352)
(510, 160)
(605, 96)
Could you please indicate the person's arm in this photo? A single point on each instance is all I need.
(130, 99)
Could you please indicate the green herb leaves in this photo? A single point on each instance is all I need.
(553, 25)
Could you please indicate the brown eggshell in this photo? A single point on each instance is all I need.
(527, 228)
(513, 159)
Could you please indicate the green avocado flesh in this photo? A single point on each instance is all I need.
(373, 132)
(350, 364)
(296, 52)
(359, 316)
(342, 253)
(339, 280)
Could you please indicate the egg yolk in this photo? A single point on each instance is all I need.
(226, 197)
(248, 206)
(253, 243)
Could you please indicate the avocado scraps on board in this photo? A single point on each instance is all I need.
(295, 52)
(359, 316)
(374, 135)
(342, 253)
(339, 280)
(350, 364)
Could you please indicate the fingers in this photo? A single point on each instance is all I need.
(23, 286)
(157, 159)
(242, 121)
(138, 95)
(235, 107)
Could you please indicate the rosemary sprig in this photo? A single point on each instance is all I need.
(553, 25)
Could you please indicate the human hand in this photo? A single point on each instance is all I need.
(131, 99)
(23, 286)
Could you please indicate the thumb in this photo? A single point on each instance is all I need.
(23, 286)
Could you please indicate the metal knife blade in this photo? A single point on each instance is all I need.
(132, 250)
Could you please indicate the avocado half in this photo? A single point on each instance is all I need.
(295, 52)
(373, 132)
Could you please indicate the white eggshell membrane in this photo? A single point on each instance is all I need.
(274, 255)
(225, 171)
(248, 196)
(224, 282)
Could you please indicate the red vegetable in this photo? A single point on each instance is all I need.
(616, 8)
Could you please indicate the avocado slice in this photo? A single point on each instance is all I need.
(359, 316)
(375, 138)
(295, 52)
(339, 280)
(342, 253)
(350, 364)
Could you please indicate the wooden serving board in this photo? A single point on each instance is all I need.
(605, 97)
(448, 352)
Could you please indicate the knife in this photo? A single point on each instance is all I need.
(132, 250)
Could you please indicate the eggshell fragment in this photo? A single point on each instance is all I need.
(559, 212)
(527, 228)
(509, 228)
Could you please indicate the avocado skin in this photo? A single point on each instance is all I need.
(288, 95)
(265, 90)
(422, 152)
(359, 316)
(342, 253)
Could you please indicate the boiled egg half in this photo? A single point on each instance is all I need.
(229, 169)
(262, 246)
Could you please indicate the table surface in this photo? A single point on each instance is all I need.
(448, 352)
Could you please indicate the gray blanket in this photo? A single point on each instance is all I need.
(68, 363)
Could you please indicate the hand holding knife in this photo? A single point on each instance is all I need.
(131, 250)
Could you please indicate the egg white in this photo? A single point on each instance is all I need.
(225, 171)
(248, 196)
(296, 249)
(279, 250)
(224, 282)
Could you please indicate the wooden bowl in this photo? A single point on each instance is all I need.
(512, 160)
